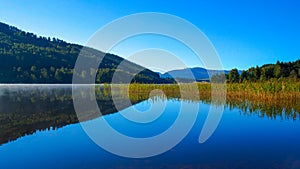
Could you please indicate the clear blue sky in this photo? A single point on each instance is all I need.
(244, 32)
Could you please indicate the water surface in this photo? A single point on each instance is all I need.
(39, 129)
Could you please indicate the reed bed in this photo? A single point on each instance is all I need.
(272, 99)
(259, 91)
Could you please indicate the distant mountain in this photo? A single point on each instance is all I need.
(28, 58)
(200, 74)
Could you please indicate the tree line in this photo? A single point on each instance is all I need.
(280, 70)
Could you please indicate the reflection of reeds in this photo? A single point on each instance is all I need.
(271, 99)
(25, 111)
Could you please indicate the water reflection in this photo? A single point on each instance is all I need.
(276, 107)
(27, 109)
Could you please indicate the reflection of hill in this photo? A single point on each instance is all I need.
(24, 111)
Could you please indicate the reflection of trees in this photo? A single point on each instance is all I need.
(24, 112)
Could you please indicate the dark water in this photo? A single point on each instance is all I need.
(39, 129)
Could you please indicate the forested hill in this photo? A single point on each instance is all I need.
(28, 58)
(277, 71)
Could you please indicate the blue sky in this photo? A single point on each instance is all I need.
(245, 33)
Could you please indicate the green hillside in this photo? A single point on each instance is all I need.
(28, 58)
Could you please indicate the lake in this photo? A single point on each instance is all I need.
(39, 129)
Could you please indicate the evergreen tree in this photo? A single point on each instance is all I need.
(233, 76)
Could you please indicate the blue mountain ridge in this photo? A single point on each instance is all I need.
(199, 73)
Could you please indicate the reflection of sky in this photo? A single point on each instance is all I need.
(141, 130)
(240, 141)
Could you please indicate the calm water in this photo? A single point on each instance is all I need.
(39, 129)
